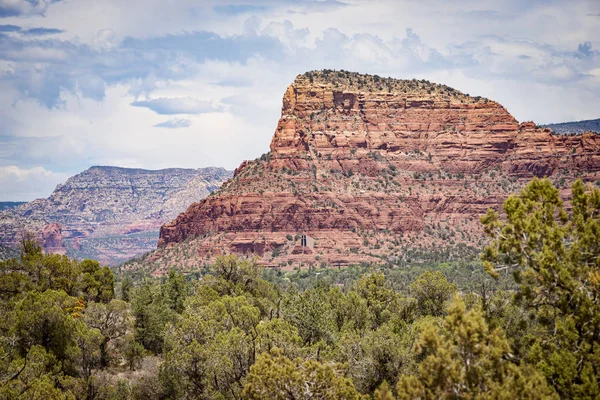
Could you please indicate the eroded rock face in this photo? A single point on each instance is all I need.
(52, 240)
(375, 170)
(109, 213)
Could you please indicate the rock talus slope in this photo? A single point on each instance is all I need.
(375, 170)
(109, 213)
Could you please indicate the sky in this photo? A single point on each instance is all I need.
(194, 83)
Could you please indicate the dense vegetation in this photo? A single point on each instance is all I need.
(529, 327)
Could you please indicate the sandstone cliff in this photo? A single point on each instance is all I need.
(375, 170)
(109, 213)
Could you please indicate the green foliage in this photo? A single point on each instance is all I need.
(432, 291)
(112, 321)
(175, 290)
(35, 270)
(275, 376)
(378, 356)
(45, 345)
(133, 352)
(238, 331)
(465, 359)
(311, 314)
(152, 311)
(96, 282)
(216, 340)
(554, 256)
(126, 286)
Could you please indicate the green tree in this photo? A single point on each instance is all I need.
(133, 351)
(95, 282)
(277, 333)
(35, 270)
(376, 356)
(466, 359)
(275, 376)
(126, 286)
(112, 320)
(153, 314)
(47, 347)
(211, 348)
(432, 292)
(378, 296)
(176, 289)
(45, 319)
(311, 314)
(554, 256)
(232, 276)
(35, 376)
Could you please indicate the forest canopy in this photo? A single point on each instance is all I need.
(525, 323)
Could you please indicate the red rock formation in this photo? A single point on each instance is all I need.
(52, 240)
(373, 168)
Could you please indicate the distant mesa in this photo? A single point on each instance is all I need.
(108, 213)
(576, 128)
(375, 170)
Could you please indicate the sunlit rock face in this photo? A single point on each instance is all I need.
(375, 170)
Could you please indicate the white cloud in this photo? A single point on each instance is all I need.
(178, 105)
(10, 8)
(18, 184)
(175, 123)
(226, 70)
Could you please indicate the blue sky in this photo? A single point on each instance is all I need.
(192, 83)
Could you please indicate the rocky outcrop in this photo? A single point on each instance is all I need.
(109, 213)
(52, 240)
(375, 170)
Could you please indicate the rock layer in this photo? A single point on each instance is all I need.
(109, 213)
(375, 170)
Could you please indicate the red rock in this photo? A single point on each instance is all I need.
(362, 167)
(52, 240)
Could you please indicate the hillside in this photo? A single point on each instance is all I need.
(576, 128)
(109, 213)
(374, 170)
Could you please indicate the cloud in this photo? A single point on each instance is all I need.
(307, 6)
(175, 123)
(22, 184)
(183, 105)
(202, 45)
(82, 96)
(237, 9)
(48, 67)
(14, 173)
(9, 28)
(483, 14)
(42, 31)
(585, 50)
(13, 8)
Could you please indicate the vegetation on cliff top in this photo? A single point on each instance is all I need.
(354, 81)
